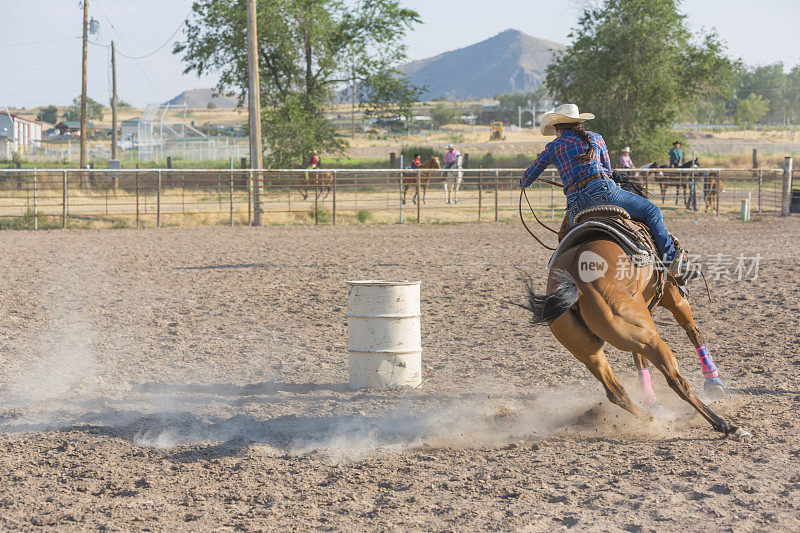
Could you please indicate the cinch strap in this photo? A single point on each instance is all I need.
(709, 370)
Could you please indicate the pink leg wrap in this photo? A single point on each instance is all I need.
(709, 370)
(647, 386)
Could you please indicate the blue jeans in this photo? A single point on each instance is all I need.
(606, 192)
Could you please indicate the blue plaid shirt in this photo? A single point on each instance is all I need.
(562, 152)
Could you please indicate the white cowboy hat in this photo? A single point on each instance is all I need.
(563, 114)
(450, 146)
(626, 150)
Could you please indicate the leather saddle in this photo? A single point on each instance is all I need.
(608, 221)
(613, 222)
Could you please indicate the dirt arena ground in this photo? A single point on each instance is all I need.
(196, 379)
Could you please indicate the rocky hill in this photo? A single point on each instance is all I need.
(508, 62)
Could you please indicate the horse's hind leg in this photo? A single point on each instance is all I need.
(446, 189)
(644, 379)
(676, 304)
(456, 186)
(588, 349)
(636, 333)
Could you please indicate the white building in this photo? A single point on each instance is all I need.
(19, 134)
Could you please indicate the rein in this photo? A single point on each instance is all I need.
(522, 218)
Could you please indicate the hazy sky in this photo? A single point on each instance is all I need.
(34, 73)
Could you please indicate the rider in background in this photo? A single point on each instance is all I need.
(416, 162)
(315, 161)
(676, 155)
(582, 160)
(451, 156)
(625, 160)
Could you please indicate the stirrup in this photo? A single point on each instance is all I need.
(680, 270)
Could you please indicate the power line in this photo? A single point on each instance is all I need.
(122, 40)
(159, 48)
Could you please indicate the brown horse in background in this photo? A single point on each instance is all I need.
(597, 294)
(409, 179)
(318, 181)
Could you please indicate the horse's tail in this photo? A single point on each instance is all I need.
(546, 308)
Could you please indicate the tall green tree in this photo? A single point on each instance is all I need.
(48, 114)
(308, 50)
(94, 110)
(770, 82)
(510, 103)
(751, 110)
(636, 66)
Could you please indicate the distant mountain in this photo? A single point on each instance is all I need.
(508, 62)
(200, 98)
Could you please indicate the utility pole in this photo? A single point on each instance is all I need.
(83, 83)
(254, 108)
(113, 102)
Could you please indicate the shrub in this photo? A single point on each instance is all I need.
(363, 216)
(323, 215)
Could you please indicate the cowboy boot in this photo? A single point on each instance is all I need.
(681, 270)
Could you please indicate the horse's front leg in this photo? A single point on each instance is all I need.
(456, 186)
(679, 306)
(445, 181)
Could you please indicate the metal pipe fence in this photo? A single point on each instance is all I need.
(50, 198)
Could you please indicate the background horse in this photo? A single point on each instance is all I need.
(666, 179)
(409, 179)
(452, 180)
(318, 181)
(712, 187)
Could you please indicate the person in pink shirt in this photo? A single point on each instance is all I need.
(625, 159)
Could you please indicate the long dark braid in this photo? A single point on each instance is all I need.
(578, 129)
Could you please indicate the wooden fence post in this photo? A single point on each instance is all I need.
(158, 198)
(231, 190)
(334, 197)
(249, 197)
(719, 192)
(64, 184)
(496, 193)
(786, 204)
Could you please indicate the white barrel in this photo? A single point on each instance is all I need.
(383, 334)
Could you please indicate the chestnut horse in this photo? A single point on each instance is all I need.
(596, 294)
(318, 181)
(409, 179)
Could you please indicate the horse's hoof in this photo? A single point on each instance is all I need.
(739, 433)
(714, 389)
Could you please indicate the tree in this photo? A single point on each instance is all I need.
(48, 114)
(94, 110)
(636, 65)
(307, 50)
(751, 110)
(122, 103)
(388, 95)
(510, 103)
(443, 113)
